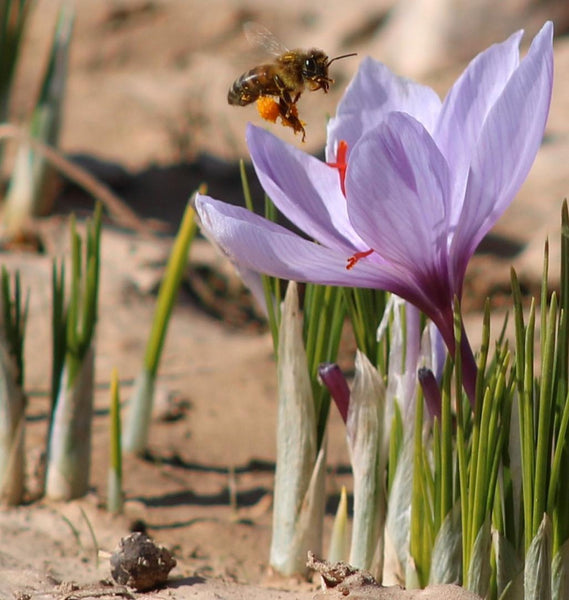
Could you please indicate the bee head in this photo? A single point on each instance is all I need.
(315, 65)
(315, 68)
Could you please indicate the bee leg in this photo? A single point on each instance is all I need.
(289, 114)
(286, 103)
(284, 108)
(289, 105)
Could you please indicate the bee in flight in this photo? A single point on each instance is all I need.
(286, 78)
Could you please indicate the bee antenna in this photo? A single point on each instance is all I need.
(339, 57)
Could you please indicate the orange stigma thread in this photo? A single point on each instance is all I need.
(341, 163)
(353, 260)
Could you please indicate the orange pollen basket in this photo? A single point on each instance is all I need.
(341, 163)
(268, 108)
(353, 260)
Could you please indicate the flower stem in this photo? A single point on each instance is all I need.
(469, 369)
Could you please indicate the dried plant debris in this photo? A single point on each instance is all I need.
(140, 563)
(341, 579)
(341, 576)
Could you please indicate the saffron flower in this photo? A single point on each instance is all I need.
(411, 186)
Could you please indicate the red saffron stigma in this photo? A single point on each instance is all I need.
(353, 260)
(341, 163)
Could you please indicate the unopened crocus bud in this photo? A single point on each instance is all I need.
(431, 392)
(334, 380)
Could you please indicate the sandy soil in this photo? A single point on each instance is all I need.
(147, 112)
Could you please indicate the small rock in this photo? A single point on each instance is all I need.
(140, 563)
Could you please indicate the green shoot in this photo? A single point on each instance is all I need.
(140, 406)
(114, 490)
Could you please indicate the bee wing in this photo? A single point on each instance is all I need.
(260, 37)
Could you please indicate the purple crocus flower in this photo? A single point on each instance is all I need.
(412, 185)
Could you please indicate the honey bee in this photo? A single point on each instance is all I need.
(286, 78)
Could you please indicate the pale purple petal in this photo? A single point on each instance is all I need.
(397, 188)
(438, 351)
(374, 92)
(466, 106)
(259, 245)
(254, 283)
(507, 147)
(305, 190)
